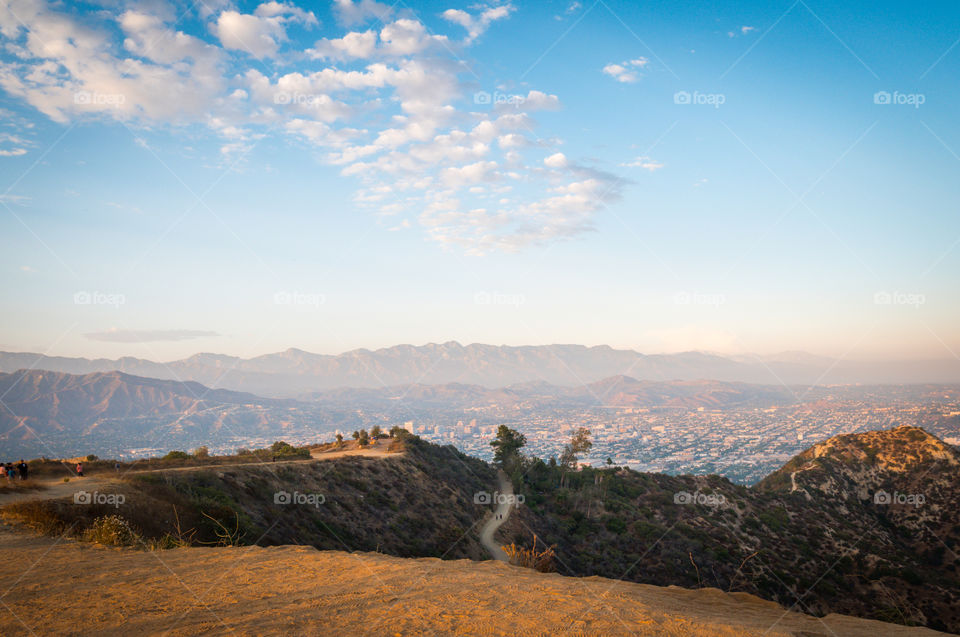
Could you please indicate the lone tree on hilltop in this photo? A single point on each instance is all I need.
(363, 439)
(507, 446)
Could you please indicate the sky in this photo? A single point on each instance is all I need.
(241, 178)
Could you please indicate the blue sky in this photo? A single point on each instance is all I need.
(247, 177)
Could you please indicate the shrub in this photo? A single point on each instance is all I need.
(177, 455)
(112, 530)
(540, 560)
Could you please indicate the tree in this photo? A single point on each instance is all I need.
(363, 439)
(579, 444)
(507, 445)
(201, 452)
(376, 432)
(356, 435)
(339, 439)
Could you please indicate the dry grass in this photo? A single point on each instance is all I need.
(538, 559)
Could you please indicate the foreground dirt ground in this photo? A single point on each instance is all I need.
(69, 588)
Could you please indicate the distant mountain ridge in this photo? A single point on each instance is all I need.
(43, 402)
(293, 372)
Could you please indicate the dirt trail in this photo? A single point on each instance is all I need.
(68, 588)
(56, 489)
(499, 517)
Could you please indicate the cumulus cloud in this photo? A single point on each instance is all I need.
(627, 71)
(557, 160)
(114, 335)
(477, 24)
(385, 105)
(260, 33)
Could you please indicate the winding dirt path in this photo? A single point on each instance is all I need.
(500, 515)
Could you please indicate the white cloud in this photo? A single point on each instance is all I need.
(557, 160)
(477, 24)
(627, 71)
(399, 120)
(350, 12)
(353, 45)
(115, 335)
(646, 163)
(243, 32)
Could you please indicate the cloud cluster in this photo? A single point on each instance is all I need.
(626, 72)
(385, 103)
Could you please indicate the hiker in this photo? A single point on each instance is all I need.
(23, 469)
(116, 466)
(79, 470)
(8, 471)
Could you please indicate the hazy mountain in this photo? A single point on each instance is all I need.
(294, 372)
(44, 401)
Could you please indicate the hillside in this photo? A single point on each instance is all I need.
(298, 590)
(825, 551)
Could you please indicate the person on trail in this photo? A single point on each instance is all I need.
(8, 471)
(79, 470)
(23, 469)
(116, 467)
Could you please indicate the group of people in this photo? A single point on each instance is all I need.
(11, 470)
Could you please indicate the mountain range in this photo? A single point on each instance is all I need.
(294, 372)
(44, 405)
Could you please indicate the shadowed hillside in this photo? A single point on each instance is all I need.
(815, 536)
